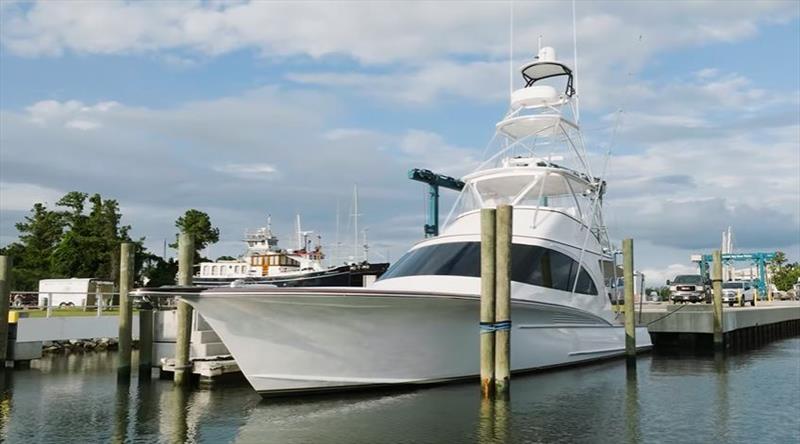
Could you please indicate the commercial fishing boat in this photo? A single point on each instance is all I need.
(419, 323)
(264, 262)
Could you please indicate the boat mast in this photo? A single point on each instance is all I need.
(299, 233)
(336, 251)
(355, 223)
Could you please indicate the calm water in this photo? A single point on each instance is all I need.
(752, 397)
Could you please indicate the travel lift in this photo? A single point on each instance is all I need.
(434, 181)
(757, 259)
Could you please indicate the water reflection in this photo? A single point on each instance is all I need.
(121, 409)
(493, 423)
(664, 399)
(632, 434)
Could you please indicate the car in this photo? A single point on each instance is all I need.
(731, 291)
(689, 288)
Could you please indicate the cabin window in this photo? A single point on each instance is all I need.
(530, 264)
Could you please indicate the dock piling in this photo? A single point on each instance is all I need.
(716, 281)
(184, 314)
(126, 263)
(630, 322)
(5, 295)
(145, 342)
(487, 338)
(502, 308)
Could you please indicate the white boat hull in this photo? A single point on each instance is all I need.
(293, 340)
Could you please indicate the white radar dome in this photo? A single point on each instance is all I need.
(547, 54)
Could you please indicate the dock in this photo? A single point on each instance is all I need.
(691, 326)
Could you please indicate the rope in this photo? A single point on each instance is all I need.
(490, 327)
(668, 314)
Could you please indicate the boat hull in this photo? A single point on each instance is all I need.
(295, 342)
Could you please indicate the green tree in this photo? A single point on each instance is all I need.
(198, 224)
(69, 242)
(786, 276)
(90, 247)
(39, 234)
(226, 258)
(157, 272)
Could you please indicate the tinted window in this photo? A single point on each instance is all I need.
(732, 285)
(529, 264)
(688, 279)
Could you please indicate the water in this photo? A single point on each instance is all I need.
(752, 397)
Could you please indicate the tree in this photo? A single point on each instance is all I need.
(39, 235)
(198, 224)
(90, 248)
(226, 258)
(68, 242)
(157, 272)
(776, 263)
(786, 276)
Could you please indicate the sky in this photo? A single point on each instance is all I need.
(243, 109)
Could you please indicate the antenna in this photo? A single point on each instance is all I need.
(511, 50)
(575, 64)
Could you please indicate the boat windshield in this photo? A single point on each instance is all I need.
(531, 264)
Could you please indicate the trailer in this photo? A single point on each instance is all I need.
(76, 292)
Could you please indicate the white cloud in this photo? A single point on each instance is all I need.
(657, 277)
(262, 171)
(70, 114)
(372, 32)
(480, 81)
(84, 125)
(18, 196)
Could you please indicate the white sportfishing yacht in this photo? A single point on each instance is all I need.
(420, 322)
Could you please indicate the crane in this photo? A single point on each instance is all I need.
(434, 181)
(758, 259)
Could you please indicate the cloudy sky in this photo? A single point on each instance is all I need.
(241, 109)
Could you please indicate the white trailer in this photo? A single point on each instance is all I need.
(75, 291)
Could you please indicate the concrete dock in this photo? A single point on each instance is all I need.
(692, 325)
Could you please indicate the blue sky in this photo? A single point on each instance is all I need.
(242, 109)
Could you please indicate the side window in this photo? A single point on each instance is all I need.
(564, 270)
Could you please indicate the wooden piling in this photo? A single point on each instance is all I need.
(145, 341)
(487, 300)
(126, 263)
(716, 281)
(5, 295)
(502, 307)
(630, 323)
(184, 314)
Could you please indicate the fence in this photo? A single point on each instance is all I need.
(22, 301)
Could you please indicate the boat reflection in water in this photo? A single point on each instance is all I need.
(83, 402)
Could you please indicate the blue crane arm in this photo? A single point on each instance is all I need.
(434, 181)
(439, 180)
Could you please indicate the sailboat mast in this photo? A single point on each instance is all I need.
(355, 223)
(299, 234)
(336, 251)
